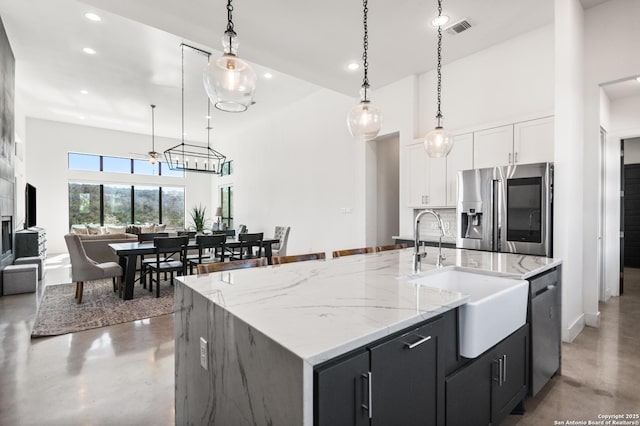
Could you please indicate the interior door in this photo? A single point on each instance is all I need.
(632, 215)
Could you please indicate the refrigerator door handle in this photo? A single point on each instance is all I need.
(496, 199)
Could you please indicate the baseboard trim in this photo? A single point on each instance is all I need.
(592, 320)
(569, 334)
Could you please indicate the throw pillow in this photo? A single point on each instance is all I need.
(161, 227)
(79, 229)
(116, 229)
(94, 229)
(148, 229)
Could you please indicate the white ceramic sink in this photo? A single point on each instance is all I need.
(497, 306)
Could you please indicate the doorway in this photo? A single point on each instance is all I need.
(383, 189)
(630, 205)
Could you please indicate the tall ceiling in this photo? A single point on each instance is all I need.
(305, 44)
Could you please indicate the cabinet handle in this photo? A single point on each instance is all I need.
(419, 342)
(369, 405)
(500, 364)
(515, 157)
(509, 158)
(504, 368)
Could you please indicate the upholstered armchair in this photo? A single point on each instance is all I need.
(281, 233)
(84, 269)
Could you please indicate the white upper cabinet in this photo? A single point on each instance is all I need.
(519, 143)
(533, 141)
(426, 178)
(460, 158)
(493, 147)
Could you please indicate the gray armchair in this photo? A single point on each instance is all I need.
(85, 269)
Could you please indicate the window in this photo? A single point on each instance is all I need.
(84, 162)
(116, 165)
(226, 197)
(173, 207)
(144, 167)
(117, 204)
(166, 171)
(84, 203)
(111, 204)
(227, 168)
(146, 206)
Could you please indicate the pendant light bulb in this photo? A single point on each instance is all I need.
(229, 81)
(438, 142)
(365, 120)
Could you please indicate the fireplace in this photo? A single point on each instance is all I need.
(7, 237)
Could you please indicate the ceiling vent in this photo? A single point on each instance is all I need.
(458, 27)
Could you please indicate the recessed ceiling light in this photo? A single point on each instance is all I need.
(184, 134)
(638, 79)
(439, 20)
(208, 117)
(267, 75)
(89, 51)
(84, 92)
(81, 117)
(353, 66)
(92, 17)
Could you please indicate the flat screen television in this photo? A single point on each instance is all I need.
(30, 206)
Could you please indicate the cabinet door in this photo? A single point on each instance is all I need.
(436, 181)
(416, 174)
(468, 393)
(342, 392)
(460, 158)
(512, 355)
(533, 141)
(408, 379)
(493, 147)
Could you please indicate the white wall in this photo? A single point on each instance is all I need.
(508, 82)
(301, 168)
(49, 142)
(611, 42)
(568, 174)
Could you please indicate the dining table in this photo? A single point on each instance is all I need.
(128, 254)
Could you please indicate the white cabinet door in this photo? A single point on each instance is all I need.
(437, 174)
(493, 147)
(416, 160)
(533, 141)
(460, 158)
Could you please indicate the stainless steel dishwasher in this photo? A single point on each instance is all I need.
(546, 342)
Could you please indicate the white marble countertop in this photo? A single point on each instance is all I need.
(322, 309)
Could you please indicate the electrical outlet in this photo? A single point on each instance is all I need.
(204, 356)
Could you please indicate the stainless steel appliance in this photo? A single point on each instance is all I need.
(506, 209)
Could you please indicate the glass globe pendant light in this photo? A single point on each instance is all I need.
(439, 142)
(364, 120)
(153, 155)
(229, 81)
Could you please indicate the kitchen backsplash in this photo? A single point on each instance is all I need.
(429, 229)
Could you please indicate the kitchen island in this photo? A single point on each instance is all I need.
(247, 341)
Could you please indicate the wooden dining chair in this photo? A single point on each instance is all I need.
(279, 260)
(392, 247)
(205, 268)
(209, 247)
(349, 252)
(144, 260)
(166, 248)
(248, 242)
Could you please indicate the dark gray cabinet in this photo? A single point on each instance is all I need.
(408, 378)
(487, 389)
(30, 242)
(399, 380)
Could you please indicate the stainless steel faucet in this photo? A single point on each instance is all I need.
(417, 256)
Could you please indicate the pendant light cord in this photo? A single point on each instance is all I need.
(365, 45)
(230, 31)
(439, 68)
(153, 126)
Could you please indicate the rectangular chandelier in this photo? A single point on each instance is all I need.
(194, 158)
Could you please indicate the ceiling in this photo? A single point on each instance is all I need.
(305, 44)
(622, 89)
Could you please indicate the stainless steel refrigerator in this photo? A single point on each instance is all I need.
(506, 209)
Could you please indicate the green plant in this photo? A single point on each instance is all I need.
(198, 218)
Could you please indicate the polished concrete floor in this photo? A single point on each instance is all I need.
(123, 374)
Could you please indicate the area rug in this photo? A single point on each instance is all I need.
(59, 313)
